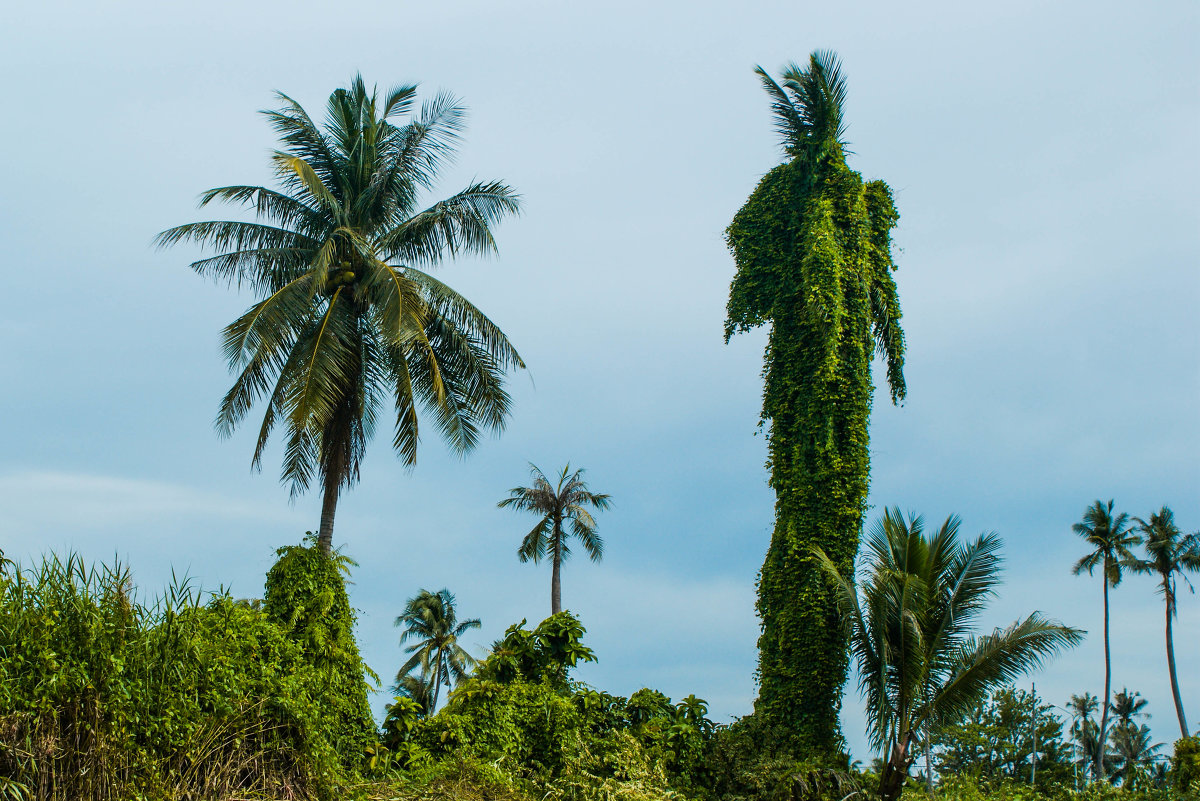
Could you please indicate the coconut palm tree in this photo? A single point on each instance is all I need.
(431, 619)
(1110, 539)
(1083, 706)
(1126, 706)
(1084, 730)
(1132, 753)
(1089, 741)
(347, 319)
(558, 505)
(1169, 553)
(910, 627)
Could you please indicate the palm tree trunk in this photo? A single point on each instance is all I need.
(895, 772)
(437, 683)
(1171, 665)
(328, 508)
(555, 578)
(928, 763)
(1098, 766)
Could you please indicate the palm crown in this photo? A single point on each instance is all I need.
(1110, 537)
(347, 318)
(1170, 552)
(808, 106)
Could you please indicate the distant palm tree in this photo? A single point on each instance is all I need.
(1084, 730)
(346, 322)
(1132, 753)
(1083, 706)
(557, 505)
(1089, 741)
(919, 665)
(1126, 706)
(1110, 540)
(1169, 552)
(431, 619)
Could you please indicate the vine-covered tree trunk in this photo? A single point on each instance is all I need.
(813, 252)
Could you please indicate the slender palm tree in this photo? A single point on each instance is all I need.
(1083, 728)
(568, 501)
(1169, 553)
(1110, 539)
(347, 319)
(431, 619)
(920, 666)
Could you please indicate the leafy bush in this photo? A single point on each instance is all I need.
(1185, 767)
(102, 696)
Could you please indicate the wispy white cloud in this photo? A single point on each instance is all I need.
(44, 501)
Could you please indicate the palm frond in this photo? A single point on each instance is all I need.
(459, 224)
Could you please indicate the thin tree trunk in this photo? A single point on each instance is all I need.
(555, 578)
(437, 683)
(1171, 664)
(328, 508)
(928, 762)
(1098, 766)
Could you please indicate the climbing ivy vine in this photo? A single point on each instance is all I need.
(812, 247)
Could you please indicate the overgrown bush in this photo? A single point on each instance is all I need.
(522, 714)
(105, 697)
(306, 598)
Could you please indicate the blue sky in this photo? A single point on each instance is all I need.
(1043, 161)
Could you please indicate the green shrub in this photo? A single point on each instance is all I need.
(1185, 767)
(106, 697)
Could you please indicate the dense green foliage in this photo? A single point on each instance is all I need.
(522, 714)
(1185, 766)
(813, 251)
(346, 321)
(306, 598)
(994, 743)
(911, 620)
(104, 697)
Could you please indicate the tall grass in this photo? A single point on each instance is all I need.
(182, 697)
